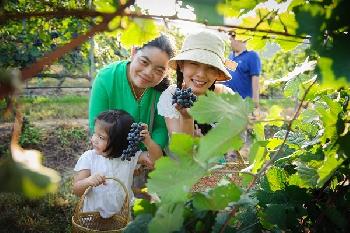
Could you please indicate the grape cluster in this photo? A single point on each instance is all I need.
(184, 97)
(134, 140)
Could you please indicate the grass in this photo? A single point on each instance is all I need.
(38, 108)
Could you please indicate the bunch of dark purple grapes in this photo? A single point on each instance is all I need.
(134, 140)
(184, 97)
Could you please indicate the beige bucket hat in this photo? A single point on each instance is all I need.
(205, 47)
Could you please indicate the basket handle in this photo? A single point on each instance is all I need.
(125, 208)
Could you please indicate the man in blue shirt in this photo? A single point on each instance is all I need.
(245, 79)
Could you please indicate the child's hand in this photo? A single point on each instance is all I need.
(144, 159)
(145, 134)
(96, 180)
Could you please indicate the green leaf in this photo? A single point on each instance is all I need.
(297, 85)
(219, 140)
(217, 198)
(167, 219)
(212, 108)
(305, 177)
(256, 44)
(205, 11)
(173, 179)
(182, 144)
(235, 8)
(328, 111)
(139, 224)
(287, 45)
(142, 206)
(246, 179)
(32, 180)
(283, 215)
(139, 32)
(257, 155)
(273, 114)
(105, 6)
(276, 179)
(331, 163)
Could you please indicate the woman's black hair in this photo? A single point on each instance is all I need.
(180, 79)
(163, 43)
(118, 126)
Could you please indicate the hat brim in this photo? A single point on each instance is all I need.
(201, 56)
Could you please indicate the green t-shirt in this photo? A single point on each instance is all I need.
(111, 90)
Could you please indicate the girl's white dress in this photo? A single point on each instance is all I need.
(107, 199)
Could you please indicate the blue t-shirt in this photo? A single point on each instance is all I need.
(249, 65)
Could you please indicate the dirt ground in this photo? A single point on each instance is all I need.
(57, 155)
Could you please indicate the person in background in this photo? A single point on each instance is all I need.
(105, 160)
(245, 78)
(135, 86)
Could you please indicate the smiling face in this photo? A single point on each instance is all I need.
(148, 67)
(198, 76)
(100, 138)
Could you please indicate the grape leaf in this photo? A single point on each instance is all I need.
(105, 6)
(217, 198)
(182, 144)
(305, 176)
(138, 32)
(139, 224)
(142, 206)
(331, 163)
(219, 140)
(212, 108)
(234, 8)
(173, 179)
(275, 179)
(167, 219)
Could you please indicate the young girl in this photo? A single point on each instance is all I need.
(108, 141)
(198, 66)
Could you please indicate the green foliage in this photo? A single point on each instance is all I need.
(217, 199)
(69, 135)
(30, 135)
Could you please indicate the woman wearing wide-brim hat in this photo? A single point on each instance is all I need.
(198, 66)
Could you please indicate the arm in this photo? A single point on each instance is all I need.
(183, 124)
(255, 69)
(154, 150)
(83, 179)
(255, 88)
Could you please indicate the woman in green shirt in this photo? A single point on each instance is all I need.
(135, 86)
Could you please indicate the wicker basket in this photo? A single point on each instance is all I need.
(83, 222)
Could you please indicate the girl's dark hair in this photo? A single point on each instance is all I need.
(163, 43)
(180, 79)
(118, 126)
